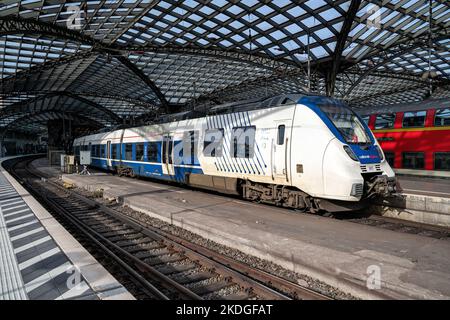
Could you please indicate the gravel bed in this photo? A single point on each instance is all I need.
(270, 267)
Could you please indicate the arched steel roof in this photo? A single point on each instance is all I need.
(132, 58)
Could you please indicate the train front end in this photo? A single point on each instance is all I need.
(354, 167)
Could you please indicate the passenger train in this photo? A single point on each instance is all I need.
(415, 137)
(311, 153)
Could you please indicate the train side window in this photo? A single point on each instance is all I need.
(114, 151)
(212, 144)
(442, 117)
(390, 157)
(102, 151)
(413, 160)
(385, 121)
(139, 152)
(442, 161)
(414, 119)
(281, 129)
(243, 139)
(152, 151)
(128, 151)
(188, 151)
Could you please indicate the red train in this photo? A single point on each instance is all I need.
(413, 136)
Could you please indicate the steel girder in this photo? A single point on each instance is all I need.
(395, 52)
(49, 114)
(260, 60)
(14, 25)
(340, 44)
(21, 107)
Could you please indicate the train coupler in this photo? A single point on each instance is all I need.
(381, 186)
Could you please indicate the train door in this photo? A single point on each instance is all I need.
(108, 154)
(167, 156)
(280, 156)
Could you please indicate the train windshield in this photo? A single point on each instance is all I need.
(348, 124)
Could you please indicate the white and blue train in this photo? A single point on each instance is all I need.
(307, 152)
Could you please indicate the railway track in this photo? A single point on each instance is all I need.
(162, 265)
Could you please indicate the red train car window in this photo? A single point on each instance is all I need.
(442, 117)
(413, 160)
(385, 121)
(442, 161)
(414, 119)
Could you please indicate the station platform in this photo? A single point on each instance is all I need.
(40, 260)
(436, 187)
(422, 199)
(338, 252)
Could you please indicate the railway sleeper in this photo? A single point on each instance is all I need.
(115, 237)
(136, 248)
(141, 254)
(164, 259)
(110, 228)
(209, 288)
(175, 268)
(97, 225)
(239, 296)
(193, 277)
(93, 221)
(141, 241)
(127, 231)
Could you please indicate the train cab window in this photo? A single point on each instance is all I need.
(413, 160)
(152, 152)
(414, 119)
(243, 139)
(385, 121)
(390, 156)
(212, 144)
(281, 129)
(287, 101)
(139, 152)
(114, 151)
(128, 151)
(442, 161)
(365, 119)
(442, 117)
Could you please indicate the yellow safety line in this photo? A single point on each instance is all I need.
(412, 129)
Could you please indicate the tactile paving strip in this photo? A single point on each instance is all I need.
(32, 264)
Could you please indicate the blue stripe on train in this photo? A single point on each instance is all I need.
(150, 170)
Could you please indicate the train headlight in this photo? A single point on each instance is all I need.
(350, 153)
(380, 153)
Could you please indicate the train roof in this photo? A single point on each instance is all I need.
(416, 106)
